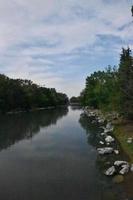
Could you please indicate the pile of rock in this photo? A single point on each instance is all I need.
(107, 141)
(119, 167)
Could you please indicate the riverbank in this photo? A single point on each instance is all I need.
(113, 140)
(124, 133)
(123, 130)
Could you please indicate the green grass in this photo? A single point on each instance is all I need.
(122, 135)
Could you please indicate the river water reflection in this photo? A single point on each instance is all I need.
(46, 155)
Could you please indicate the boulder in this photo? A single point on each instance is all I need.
(120, 162)
(109, 126)
(129, 140)
(105, 150)
(110, 171)
(106, 131)
(116, 152)
(109, 139)
(131, 168)
(125, 169)
(101, 142)
(103, 134)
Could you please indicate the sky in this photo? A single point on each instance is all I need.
(58, 43)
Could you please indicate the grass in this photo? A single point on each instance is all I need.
(123, 132)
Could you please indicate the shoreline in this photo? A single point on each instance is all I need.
(109, 144)
(33, 110)
(123, 130)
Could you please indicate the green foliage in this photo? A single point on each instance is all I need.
(75, 100)
(112, 89)
(101, 89)
(126, 83)
(16, 95)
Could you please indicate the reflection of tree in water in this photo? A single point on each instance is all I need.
(19, 126)
(76, 107)
(92, 130)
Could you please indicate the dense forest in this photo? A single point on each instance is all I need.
(112, 89)
(24, 95)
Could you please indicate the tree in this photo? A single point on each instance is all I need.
(132, 10)
(126, 82)
(101, 89)
(16, 95)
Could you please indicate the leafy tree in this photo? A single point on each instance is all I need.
(16, 95)
(101, 89)
(126, 83)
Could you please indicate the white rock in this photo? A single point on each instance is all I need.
(125, 169)
(116, 152)
(129, 140)
(110, 171)
(101, 142)
(109, 139)
(102, 134)
(109, 126)
(131, 168)
(120, 162)
(105, 150)
(100, 120)
(106, 131)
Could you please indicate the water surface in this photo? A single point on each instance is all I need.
(51, 154)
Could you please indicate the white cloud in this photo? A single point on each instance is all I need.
(60, 32)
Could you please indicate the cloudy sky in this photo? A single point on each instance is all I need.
(57, 43)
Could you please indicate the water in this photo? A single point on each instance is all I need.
(51, 154)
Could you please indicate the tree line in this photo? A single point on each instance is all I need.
(111, 89)
(24, 95)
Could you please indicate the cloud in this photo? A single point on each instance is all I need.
(58, 43)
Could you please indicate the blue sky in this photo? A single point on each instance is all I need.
(57, 43)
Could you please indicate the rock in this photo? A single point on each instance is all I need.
(101, 142)
(109, 139)
(110, 171)
(131, 168)
(109, 125)
(119, 163)
(116, 152)
(125, 169)
(100, 120)
(129, 140)
(103, 134)
(109, 128)
(106, 131)
(105, 150)
(118, 179)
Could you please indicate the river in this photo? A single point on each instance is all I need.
(51, 154)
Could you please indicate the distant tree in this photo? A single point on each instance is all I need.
(75, 100)
(16, 95)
